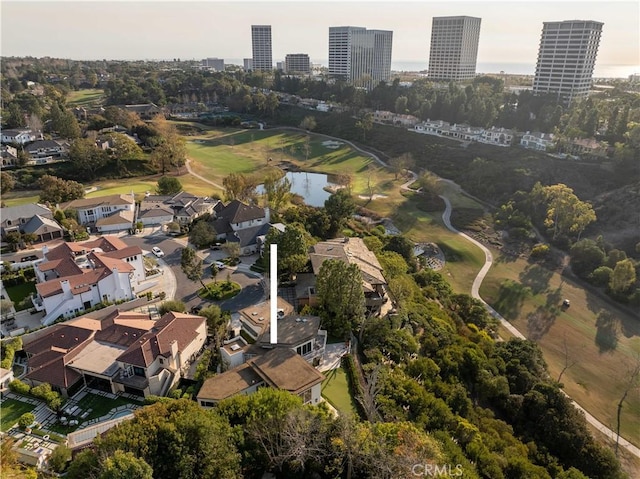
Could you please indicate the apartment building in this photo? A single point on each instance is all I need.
(566, 58)
(297, 63)
(261, 47)
(360, 56)
(454, 48)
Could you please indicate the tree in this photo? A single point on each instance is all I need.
(59, 458)
(168, 185)
(216, 322)
(293, 245)
(191, 265)
(171, 305)
(85, 465)
(7, 182)
(278, 191)
(272, 103)
(232, 248)
(6, 306)
(365, 123)
(632, 383)
(586, 256)
(308, 123)
(341, 296)
(623, 277)
(565, 213)
(202, 234)
(170, 149)
(400, 163)
(239, 187)
(26, 420)
(55, 190)
(86, 157)
(401, 104)
(125, 465)
(339, 206)
(404, 247)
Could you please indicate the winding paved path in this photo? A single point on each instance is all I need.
(477, 282)
(475, 288)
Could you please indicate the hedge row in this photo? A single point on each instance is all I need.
(355, 388)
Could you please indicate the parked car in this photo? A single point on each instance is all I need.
(157, 251)
(220, 265)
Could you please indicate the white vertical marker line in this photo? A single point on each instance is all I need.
(273, 295)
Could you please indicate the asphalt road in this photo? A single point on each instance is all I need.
(186, 290)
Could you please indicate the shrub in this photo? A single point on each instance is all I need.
(19, 387)
(540, 251)
(26, 419)
(355, 388)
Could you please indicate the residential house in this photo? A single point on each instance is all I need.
(586, 147)
(498, 136)
(182, 208)
(431, 127)
(43, 228)
(14, 218)
(107, 214)
(124, 352)
(6, 376)
(47, 149)
(9, 155)
(20, 136)
(78, 276)
(146, 111)
(241, 223)
(352, 251)
(537, 140)
(462, 132)
(280, 368)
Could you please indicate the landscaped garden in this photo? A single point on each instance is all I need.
(12, 409)
(335, 389)
(219, 290)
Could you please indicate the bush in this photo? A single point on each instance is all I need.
(540, 251)
(26, 420)
(355, 388)
(19, 387)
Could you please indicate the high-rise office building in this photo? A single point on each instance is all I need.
(454, 48)
(360, 56)
(297, 63)
(261, 46)
(566, 58)
(216, 64)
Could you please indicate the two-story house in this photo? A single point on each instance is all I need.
(20, 136)
(279, 368)
(30, 218)
(183, 208)
(124, 352)
(537, 140)
(107, 214)
(9, 155)
(77, 276)
(241, 223)
(47, 150)
(498, 136)
(352, 251)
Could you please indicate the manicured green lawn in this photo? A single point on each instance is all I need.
(10, 412)
(335, 389)
(86, 97)
(19, 292)
(600, 371)
(101, 405)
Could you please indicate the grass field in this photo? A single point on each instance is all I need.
(88, 97)
(19, 292)
(11, 412)
(335, 389)
(603, 350)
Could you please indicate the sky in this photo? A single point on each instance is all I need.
(136, 30)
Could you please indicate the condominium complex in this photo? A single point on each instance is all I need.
(261, 46)
(216, 64)
(454, 48)
(360, 56)
(566, 58)
(297, 63)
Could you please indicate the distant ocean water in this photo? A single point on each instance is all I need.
(601, 71)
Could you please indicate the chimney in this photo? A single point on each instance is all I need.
(174, 349)
(66, 287)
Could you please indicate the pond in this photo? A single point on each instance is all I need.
(308, 185)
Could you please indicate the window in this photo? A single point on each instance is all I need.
(138, 371)
(207, 403)
(306, 396)
(304, 349)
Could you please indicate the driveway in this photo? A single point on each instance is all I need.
(186, 290)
